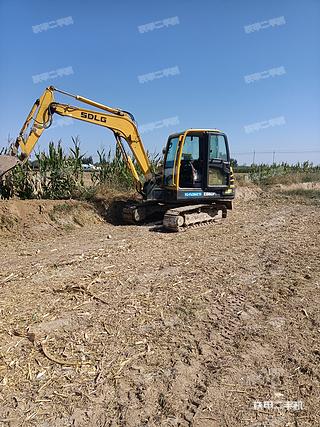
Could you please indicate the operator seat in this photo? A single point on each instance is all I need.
(190, 174)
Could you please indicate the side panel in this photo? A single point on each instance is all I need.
(194, 196)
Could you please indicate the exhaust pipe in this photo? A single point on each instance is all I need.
(7, 163)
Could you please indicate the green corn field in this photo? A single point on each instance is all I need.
(281, 173)
(59, 174)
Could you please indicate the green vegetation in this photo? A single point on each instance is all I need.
(112, 171)
(282, 173)
(59, 175)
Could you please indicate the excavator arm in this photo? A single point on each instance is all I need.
(120, 122)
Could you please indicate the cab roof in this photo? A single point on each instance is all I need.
(194, 130)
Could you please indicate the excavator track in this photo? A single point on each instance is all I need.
(133, 214)
(184, 217)
(177, 219)
(138, 213)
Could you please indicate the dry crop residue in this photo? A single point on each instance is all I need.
(105, 325)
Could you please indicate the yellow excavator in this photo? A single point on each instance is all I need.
(196, 182)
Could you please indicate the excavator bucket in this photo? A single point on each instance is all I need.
(7, 163)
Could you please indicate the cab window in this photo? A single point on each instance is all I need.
(217, 148)
(190, 166)
(169, 162)
(190, 148)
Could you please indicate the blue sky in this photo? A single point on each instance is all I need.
(210, 50)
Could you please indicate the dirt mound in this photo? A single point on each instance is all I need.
(36, 216)
(248, 193)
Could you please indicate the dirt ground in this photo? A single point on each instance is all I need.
(104, 325)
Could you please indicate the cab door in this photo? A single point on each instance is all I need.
(218, 172)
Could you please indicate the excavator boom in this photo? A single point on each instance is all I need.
(120, 122)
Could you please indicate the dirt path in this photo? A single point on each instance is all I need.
(126, 326)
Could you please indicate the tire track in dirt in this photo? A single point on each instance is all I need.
(229, 331)
(194, 327)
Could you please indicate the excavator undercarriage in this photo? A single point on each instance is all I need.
(196, 181)
(176, 218)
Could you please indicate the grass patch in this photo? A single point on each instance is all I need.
(291, 178)
(282, 173)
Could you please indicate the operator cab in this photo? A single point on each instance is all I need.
(197, 166)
